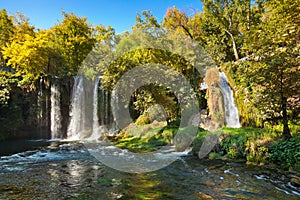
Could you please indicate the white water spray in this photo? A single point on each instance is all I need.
(77, 109)
(96, 129)
(55, 112)
(231, 111)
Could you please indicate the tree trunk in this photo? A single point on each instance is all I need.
(236, 55)
(235, 51)
(286, 130)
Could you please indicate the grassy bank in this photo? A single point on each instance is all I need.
(253, 145)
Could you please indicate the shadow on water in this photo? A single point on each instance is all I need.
(68, 171)
(14, 146)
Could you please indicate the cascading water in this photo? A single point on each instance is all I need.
(82, 125)
(231, 111)
(55, 112)
(40, 105)
(77, 109)
(107, 108)
(96, 128)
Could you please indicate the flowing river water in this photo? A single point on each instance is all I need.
(66, 170)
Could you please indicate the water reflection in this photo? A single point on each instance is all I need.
(68, 172)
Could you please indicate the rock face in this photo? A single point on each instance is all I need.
(215, 99)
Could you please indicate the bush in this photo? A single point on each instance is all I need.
(143, 120)
(234, 145)
(168, 133)
(286, 153)
(198, 141)
(214, 155)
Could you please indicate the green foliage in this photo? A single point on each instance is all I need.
(234, 144)
(275, 60)
(227, 23)
(198, 141)
(286, 153)
(214, 155)
(6, 85)
(146, 21)
(73, 38)
(168, 133)
(143, 120)
(6, 32)
(144, 138)
(141, 145)
(152, 93)
(104, 182)
(254, 145)
(251, 144)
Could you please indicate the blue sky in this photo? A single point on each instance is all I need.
(120, 14)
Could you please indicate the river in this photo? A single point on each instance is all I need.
(65, 170)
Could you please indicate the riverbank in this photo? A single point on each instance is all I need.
(253, 146)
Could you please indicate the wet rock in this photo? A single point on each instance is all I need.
(27, 153)
(204, 196)
(294, 177)
(295, 181)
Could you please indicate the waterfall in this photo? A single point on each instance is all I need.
(40, 104)
(77, 109)
(107, 108)
(85, 121)
(55, 112)
(96, 128)
(231, 111)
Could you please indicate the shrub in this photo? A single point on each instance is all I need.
(286, 153)
(234, 145)
(214, 155)
(198, 141)
(143, 120)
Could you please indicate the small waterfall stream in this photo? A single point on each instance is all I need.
(40, 104)
(55, 111)
(95, 133)
(231, 111)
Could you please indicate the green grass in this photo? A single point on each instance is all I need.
(140, 145)
(254, 145)
(145, 138)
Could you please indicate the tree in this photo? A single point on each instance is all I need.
(179, 21)
(25, 52)
(6, 32)
(229, 17)
(134, 54)
(146, 21)
(276, 59)
(74, 40)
